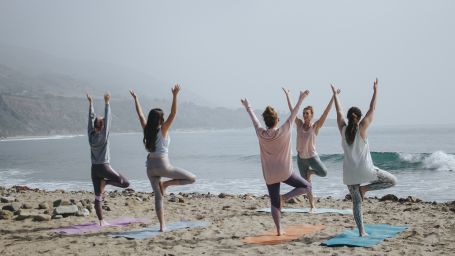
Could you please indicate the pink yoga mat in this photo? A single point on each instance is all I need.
(95, 227)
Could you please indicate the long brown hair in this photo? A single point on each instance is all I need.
(270, 117)
(154, 121)
(354, 115)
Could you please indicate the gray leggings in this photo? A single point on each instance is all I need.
(385, 180)
(313, 162)
(160, 167)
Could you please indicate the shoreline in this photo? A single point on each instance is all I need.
(431, 226)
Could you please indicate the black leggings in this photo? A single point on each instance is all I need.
(105, 172)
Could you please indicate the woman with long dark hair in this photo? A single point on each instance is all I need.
(275, 151)
(156, 141)
(358, 165)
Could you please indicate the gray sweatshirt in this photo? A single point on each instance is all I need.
(99, 141)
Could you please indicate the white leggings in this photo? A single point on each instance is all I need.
(158, 167)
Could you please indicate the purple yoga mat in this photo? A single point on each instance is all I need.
(95, 227)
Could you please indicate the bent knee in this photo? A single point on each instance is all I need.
(192, 179)
(309, 187)
(323, 173)
(125, 184)
(393, 181)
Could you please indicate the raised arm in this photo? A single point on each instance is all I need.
(168, 123)
(320, 122)
(295, 110)
(366, 121)
(288, 98)
(107, 113)
(286, 92)
(91, 115)
(253, 117)
(139, 112)
(340, 119)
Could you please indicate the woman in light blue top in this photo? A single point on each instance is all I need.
(358, 165)
(156, 140)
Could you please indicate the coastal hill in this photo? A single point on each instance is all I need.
(41, 94)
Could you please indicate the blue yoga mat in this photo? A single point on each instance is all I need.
(376, 234)
(307, 210)
(155, 230)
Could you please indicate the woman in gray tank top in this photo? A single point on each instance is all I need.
(156, 140)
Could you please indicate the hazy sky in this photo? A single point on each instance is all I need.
(224, 50)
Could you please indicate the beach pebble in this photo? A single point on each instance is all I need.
(57, 202)
(57, 217)
(226, 207)
(5, 215)
(12, 207)
(23, 216)
(83, 213)
(7, 199)
(66, 210)
(42, 217)
(43, 206)
(389, 197)
(413, 199)
(21, 188)
(26, 206)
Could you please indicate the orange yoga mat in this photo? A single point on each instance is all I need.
(292, 233)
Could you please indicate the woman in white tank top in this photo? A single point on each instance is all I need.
(308, 159)
(358, 166)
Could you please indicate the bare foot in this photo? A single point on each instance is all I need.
(313, 210)
(363, 234)
(162, 229)
(281, 233)
(308, 175)
(282, 201)
(162, 188)
(104, 223)
(363, 190)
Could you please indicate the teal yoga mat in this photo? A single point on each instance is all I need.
(376, 234)
(154, 230)
(307, 210)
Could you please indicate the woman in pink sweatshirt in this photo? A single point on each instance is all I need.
(275, 150)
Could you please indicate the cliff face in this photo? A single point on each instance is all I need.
(48, 104)
(49, 115)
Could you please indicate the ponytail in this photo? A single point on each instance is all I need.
(354, 115)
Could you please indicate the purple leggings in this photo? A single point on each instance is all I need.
(105, 172)
(301, 186)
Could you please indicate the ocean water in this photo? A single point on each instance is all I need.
(421, 157)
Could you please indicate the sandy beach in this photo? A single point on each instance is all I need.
(431, 226)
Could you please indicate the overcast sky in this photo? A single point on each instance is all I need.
(224, 50)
